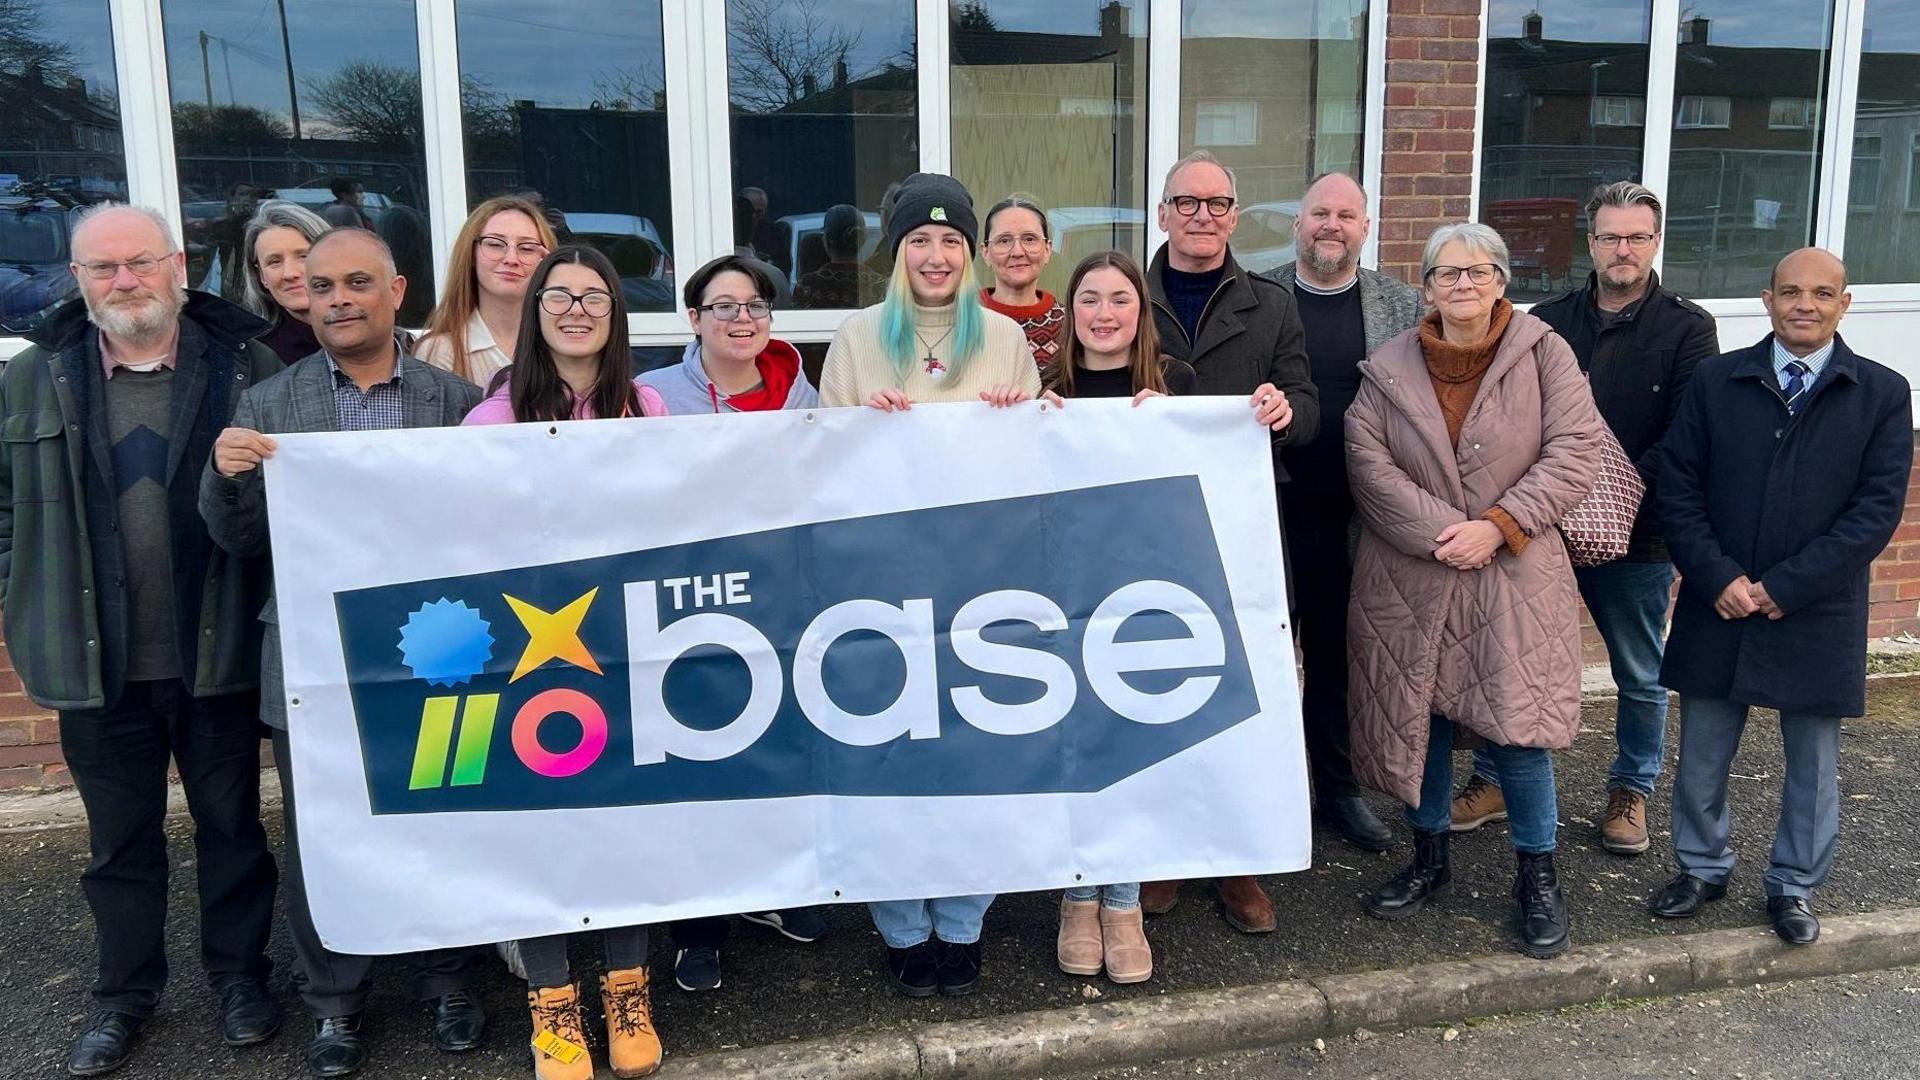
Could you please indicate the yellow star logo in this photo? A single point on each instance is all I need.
(553, 636)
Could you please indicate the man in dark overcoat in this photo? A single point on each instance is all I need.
(1782, 478)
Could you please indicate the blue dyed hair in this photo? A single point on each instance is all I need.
(896, 321)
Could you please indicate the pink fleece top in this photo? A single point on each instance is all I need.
(498, 409)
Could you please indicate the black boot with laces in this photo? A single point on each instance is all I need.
(1540, 908)
(1418, 883)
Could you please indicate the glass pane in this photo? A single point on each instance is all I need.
(1278, 93)
(824, 101)
(302, 102)
(1565, 112)
(1741, 187)
(1050, 100)
(60, 145)
(570, 101)
(1883, 215)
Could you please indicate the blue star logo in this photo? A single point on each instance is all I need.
(446, 642)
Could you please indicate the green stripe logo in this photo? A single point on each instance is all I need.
(438, 718)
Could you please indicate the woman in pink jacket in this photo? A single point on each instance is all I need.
(1472, 435)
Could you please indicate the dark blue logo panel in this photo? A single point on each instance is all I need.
(1051, 643)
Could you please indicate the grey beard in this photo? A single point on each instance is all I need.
(154, 321)
(1328, 267)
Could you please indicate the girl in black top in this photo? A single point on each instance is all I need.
(1113, 350)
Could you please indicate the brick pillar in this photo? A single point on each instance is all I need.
(1433, 51)
(29, 737)
(1894, 596)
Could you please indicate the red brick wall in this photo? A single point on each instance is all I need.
(1433, 62)
(1895, 594)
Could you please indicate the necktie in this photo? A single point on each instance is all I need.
(1796, 385)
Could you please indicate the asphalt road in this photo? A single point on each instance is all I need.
(775, 990)
(1860, 1027)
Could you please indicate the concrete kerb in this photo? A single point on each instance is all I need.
(1243, 1018)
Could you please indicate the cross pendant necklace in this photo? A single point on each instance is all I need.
(933, 364)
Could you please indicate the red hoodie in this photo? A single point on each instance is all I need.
(779, 366)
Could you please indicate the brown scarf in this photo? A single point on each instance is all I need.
(1456, 370)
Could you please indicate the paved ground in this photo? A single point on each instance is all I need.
(1862, 1027)
(778, 991)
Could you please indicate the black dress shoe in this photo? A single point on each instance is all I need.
(1355, 821)
(247, 1013)
(1793, 919)
(915, 969)
(458, 1021)
(958, 968)
(337, 1049)
(105, 1043)
(1684, 896)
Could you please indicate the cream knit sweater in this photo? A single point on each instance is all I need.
(857, 363)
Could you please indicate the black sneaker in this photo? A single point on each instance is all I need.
(697, 968)
(805, 924)
(915, 969)
(959, 968)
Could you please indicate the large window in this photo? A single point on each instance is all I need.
(1050, 99)
(1741, 187)
(824, 99)
(570, 101)
(1276, 91)
(1883, 222)
(314, 103)
(1565, 112)
(60, 145)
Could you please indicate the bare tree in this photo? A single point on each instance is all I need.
(25, 47)
(629, 89)
(779, 48)
(377, 103)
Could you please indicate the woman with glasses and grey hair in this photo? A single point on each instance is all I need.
(275, 286)
(1472, 435)
(1018, 246)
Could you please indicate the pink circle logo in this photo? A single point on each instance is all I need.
(526, 732)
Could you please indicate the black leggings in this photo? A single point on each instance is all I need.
(546, 957)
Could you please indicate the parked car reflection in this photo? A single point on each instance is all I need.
(33, 270)
(634, 246)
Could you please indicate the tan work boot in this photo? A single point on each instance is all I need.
(1129, 958)
(1479, 802)
(1245, 904)
(1624, 832)
(1079, 950)
(559, 1035)
(633, 1047)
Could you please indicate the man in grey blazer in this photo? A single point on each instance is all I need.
(361, 380)
(1348, 311)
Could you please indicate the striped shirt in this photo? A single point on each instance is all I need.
(1815, 361)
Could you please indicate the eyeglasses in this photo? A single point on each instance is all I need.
(1639, 241)
(727, 310)
(143, 266)
(1189, 205)
(496, 247)
(558, 301)
(1479, 273)
(1027, 241)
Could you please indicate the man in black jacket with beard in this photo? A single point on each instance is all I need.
(1638, 344)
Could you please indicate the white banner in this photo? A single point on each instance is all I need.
(545, 678)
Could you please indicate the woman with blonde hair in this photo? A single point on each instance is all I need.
(473, 330)
(275, 283)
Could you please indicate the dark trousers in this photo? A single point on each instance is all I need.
(1319, 587)
(119, 758)
(709, 931)
(336, 984)
(546, 957)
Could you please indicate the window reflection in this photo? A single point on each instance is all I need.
(824, 109)
(1883, 216)
(60, 145)
(318, 104)
(1278, 93)
(1565, 112)
(570, 101)
(1050, 100)
(1749, 91)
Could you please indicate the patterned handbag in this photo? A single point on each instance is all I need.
(1597, 530)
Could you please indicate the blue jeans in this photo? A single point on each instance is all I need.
(1628, 602)
(1533, 806)
(953, 919)
(1124, 897)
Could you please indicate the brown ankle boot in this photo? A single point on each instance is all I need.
(1158, 897)
(559, 1035)
(1129, 958)
(1624, 830)
(1079, 950)
(1478, 803)
(1246, 905)
(633, 1047)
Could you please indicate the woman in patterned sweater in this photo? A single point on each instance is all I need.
(1019, 244)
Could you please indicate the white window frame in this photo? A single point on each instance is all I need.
(1635, 106)
(1243, 112)
(1809, 114)
(1699, 123)
(1879, 158)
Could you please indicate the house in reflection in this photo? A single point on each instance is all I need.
(56, 129)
